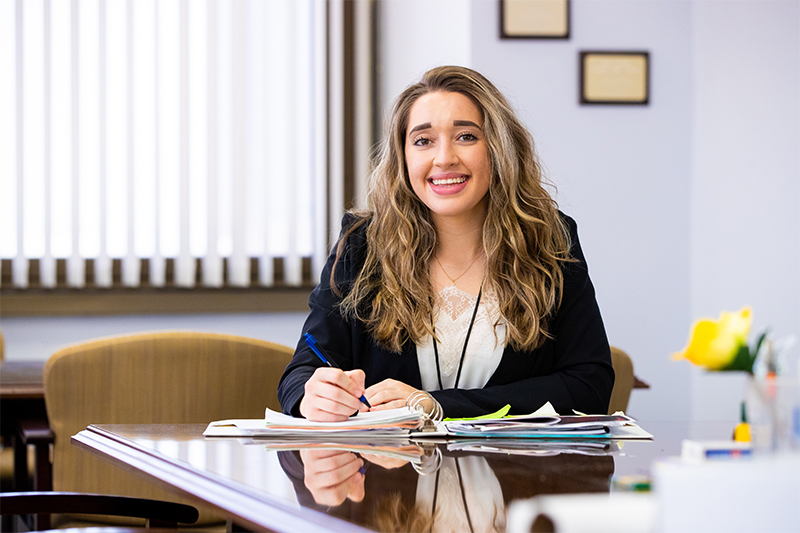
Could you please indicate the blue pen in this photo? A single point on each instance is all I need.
(312, 343)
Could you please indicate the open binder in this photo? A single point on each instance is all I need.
(411, 422)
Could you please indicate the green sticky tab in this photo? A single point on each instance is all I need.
(499, 414)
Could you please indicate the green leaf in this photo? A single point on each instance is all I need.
(743, 360)
(759, 342)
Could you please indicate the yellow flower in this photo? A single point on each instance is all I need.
(715, 344)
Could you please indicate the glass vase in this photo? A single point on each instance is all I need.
(773, 412)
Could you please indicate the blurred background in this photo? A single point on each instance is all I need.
(175, 164)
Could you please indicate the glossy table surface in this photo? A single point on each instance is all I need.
(302, 486)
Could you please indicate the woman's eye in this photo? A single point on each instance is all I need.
(421, 141)
(467, 137)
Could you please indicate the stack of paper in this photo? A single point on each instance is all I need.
(388, 423)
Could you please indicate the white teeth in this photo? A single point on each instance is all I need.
(449, 181)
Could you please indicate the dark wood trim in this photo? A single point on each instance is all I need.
(377, 112)
(349, 105)
(34, 277)
(120, 301)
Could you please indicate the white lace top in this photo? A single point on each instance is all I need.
(485, 510)
(453, 310)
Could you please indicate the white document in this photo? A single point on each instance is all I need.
(392, 422)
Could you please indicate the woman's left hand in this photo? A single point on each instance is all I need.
(388, 394)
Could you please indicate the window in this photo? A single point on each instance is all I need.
(166, 142)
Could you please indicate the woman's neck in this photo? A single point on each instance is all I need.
(459, 245)
(458, 254)
(459, 236)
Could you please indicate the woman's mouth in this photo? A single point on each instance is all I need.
(448, 183)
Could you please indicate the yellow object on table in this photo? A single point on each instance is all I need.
(741, 432)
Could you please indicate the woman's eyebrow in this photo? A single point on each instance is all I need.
(456, 123)
(462, 123)
(423, 126)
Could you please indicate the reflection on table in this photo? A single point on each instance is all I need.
(466, 491)
(341, 486)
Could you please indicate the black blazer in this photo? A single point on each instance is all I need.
(571, 370)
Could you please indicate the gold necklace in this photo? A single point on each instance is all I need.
(453, 280)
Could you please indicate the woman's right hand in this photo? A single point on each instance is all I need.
(333, 475)
(332, 395)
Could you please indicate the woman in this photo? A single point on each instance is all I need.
(463, 279)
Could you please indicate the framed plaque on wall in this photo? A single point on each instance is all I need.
(534, 19)
(620, 77)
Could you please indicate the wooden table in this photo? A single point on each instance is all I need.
(21, 380)
(258, 487)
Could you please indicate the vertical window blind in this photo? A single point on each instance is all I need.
(165, 141)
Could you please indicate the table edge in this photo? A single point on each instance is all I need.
(231, 498)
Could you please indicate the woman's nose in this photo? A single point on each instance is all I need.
(445, 155)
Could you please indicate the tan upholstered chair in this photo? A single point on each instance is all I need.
(623, 382)
(152, 378)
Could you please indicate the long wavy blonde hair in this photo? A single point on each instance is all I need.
(524, 239)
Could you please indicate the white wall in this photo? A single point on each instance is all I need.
(37, 338)
(415, 35)
(746, 177)
(652, 187)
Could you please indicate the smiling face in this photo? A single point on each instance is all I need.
(447, 157)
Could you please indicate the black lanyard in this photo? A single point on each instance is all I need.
(463, 495)
(463, 351)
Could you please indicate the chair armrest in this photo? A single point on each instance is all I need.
(37, 434)
(158, 512)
